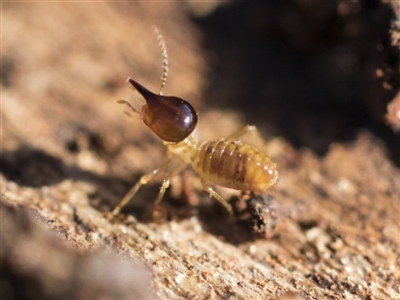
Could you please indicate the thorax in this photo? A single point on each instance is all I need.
(184, 149)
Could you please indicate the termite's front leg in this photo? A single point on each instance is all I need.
(142, 181)
(167, 181)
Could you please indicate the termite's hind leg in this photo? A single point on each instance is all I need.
(142, 181)
(254, 133)
(210, 190)
(242, 131)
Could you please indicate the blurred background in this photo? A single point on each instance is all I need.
(310, 71)
(315, 71)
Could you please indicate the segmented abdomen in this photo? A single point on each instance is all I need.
(234, 165)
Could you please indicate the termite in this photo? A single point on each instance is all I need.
(226, 161)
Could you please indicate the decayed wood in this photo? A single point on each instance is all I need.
(68, 155)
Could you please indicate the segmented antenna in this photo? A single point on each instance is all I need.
(163, 47)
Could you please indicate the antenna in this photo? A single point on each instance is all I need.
(163, 47)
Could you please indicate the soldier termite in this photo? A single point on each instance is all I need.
(226, 162)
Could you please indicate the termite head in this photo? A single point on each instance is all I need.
(172, 119)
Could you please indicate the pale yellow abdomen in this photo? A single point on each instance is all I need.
(234, 165)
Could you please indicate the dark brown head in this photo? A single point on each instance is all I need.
(172, 119)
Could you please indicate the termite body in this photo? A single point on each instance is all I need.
(226, 162)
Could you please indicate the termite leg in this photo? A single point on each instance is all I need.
(166, 183)
(210, 190)
(142, 181)
(254, 133)
(242, 131)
